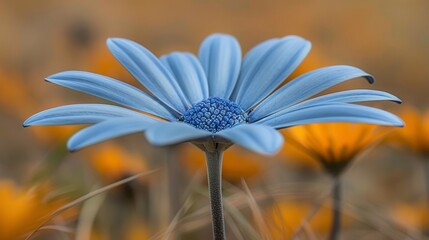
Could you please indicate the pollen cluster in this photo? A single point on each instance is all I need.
(214, 114)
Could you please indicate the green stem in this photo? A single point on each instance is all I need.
(336, 211)
(214, 175)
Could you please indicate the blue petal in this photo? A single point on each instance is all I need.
(189, 73)
(220, 56)
(108, 129)
(305, 86)
(169, 133)
(254, 53)
(264, 68)
(350, 96)
(80, 114)
(331, 112)
(258, 138)
(112, 90)
(149, 71)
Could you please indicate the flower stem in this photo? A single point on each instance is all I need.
(336, 211)
(214, 175)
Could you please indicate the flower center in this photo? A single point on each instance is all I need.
(214, 114)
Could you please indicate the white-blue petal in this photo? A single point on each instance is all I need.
(80, 114)
(112, 90)
(169, 133)
(256, 51)
(305, 86)
(149, 71)
(107, 130)
(220, 56)
(331, 112)
(265, 68)
(255, 137)
(350, 96)
(187, 70)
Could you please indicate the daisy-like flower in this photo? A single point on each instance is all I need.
(334, 146)
(214, 101)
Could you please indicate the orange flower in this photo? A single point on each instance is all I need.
(415, 134)
(238, 162)
(332, 145)
(287, 217)
(24, 209)
(112, 162)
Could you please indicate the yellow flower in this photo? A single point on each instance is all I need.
(415, 134)
(238, 163)
(112, 162)
(24, 209)
(332, 145)
(287, 216)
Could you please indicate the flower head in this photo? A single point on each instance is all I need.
(333, 145)
(215, 98)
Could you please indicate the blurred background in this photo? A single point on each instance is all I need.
(384, 189)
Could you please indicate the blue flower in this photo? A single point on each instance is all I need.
(217, 97)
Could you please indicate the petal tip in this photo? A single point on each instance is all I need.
(370, 78)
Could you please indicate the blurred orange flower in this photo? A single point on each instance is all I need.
(113, 162)
(287, 216)
(135, 230)
(238, 163)
(415, 134)
(332, 145)
(22, 209)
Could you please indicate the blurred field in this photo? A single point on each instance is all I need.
(384, 188)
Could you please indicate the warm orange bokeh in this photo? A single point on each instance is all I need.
(24, 209)
(113, 162)
(238, 163)
(332, 145)
(415, 134)
(412, 216)
(314, 60)
(101, 61)
(287, 216)
(20, 100)
(135, 230)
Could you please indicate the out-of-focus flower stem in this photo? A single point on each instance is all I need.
(336, 210)
(214, 175)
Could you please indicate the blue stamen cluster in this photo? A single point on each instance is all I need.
(214, 114)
